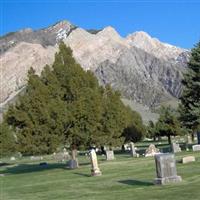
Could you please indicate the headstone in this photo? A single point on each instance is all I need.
(196, 147)
(126, 147)
(188, 159)
(151, 150)
(95, 171)
(166, 169)
(61, 156)
(133, 152)
(110, 155)
(198, 137)
(189, 139)
(73, 163)
(175, 148)
(19, 155)
(65, 154)
(13, 158)
(36, 158)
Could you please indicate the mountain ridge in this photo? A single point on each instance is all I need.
(141, 67)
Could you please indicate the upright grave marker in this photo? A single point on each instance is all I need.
(166, 169)
(133, 152)
(95, 171)
(73, 163)
(151, 150)
(196, 147)
(189, 139)
(176, 148)
(110, 155)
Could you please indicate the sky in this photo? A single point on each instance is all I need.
(176, 22)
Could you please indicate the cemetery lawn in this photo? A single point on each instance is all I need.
(123, 178)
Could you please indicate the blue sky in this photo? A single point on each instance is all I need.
(176, 22)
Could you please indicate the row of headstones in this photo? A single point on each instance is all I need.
(165, 168)
(176, 147)
(150, 151)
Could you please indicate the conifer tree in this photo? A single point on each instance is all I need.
(168, 123)
(7, 140)
(190, 99)
(66, 105)
(135, 130)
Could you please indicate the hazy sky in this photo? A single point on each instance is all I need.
(176, 22)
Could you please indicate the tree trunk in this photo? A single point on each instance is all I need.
(169, 139)
(73, 163)
(198, 136)
(103, 150)
(192, 136)
(123, 148)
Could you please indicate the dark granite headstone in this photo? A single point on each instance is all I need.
(72, 164)
(166, 169)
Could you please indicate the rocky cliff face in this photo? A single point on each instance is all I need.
(142, 68)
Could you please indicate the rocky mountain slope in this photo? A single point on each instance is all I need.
(144, 69)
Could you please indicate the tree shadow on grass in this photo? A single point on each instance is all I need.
(29, 168)
(136, 182)
(4, 164)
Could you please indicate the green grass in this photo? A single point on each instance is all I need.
(123, 178)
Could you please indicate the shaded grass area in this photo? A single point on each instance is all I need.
(122, 178)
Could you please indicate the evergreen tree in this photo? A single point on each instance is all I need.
(168, 123)
(114, 119)
(190, 99)
(135, 130)
(34, 118)
(7, 140)
(151, 130)
(66, 105)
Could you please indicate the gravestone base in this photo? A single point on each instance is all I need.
(72, 164)
(96, 172)
(166, 180)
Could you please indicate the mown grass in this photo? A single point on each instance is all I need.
(123, 178)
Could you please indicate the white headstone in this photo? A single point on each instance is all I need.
(189, 139)
(133, 152)
(176, 148)
(188, 159)
(12, 158)
(151, 151)
(110, 155)
(95, 171)
(196, 147)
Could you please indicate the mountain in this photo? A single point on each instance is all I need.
(144, 69)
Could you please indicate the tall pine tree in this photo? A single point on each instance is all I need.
(190, 99)
(66, 105)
